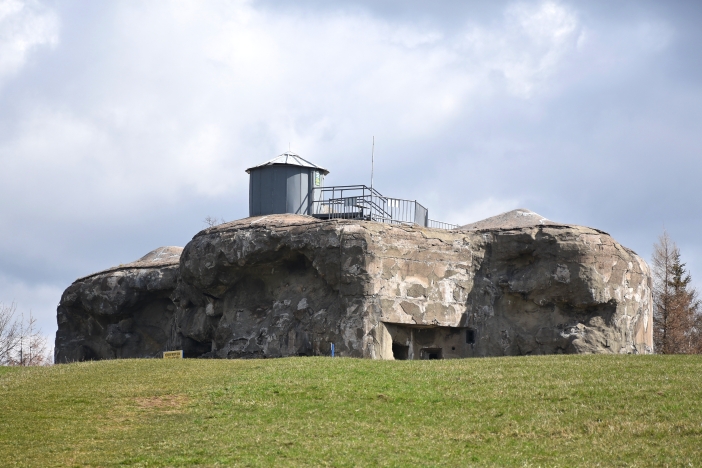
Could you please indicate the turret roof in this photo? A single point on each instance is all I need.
(290, 159)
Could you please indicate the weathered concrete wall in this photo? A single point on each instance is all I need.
(531, 290)
(272, 286)
(122, 312)
(284, 285)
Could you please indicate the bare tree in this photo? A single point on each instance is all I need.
(677, 324)
(21, 341)
(33, 348)
(9, 333)
(213, 221)
(662, 261)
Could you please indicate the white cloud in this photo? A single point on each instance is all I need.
(24, 25)
(188, 94)
(527, 47)
(184, 87)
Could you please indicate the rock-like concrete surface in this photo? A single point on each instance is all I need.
(124, 311)
(518, 218)
(285, 285)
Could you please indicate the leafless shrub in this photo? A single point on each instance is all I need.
(21, 341)
(9, 333)
(213, 221)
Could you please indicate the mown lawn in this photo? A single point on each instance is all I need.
(531, 411)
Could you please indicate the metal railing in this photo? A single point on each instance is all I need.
(346, 201)
(362, 202)
(441, 225)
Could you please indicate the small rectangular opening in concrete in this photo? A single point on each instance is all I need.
(430, 353)
(470, 336)
(400, 352)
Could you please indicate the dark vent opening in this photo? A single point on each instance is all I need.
(195, 349)
(432, 353)
(296, 264)
(400, 352)
(470, 336)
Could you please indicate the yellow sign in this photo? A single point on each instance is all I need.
(173, 354)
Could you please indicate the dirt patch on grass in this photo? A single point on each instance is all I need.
(130, 411)
(169, 402)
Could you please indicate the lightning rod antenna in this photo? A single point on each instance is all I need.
(372, 163)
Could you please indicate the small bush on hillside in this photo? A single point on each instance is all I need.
(21, 341)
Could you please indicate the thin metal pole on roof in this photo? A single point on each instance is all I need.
(372, 163)
(372, 167)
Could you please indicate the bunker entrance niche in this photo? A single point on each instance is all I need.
(400, 352)
(410, 342)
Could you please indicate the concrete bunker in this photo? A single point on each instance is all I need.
(286, 285)
(422, 342)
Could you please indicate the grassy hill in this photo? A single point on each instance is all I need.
(530, 411)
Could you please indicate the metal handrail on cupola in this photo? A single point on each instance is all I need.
(363, 202)
(292, 184)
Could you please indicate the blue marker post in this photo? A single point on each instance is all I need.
(332, 349)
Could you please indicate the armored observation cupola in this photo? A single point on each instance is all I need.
(285, 184)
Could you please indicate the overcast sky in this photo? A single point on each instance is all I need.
(124, 124)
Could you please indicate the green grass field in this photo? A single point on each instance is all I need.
(527, 411)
